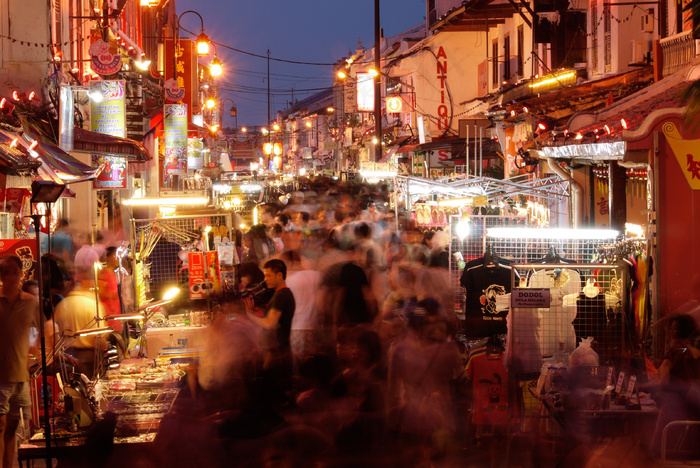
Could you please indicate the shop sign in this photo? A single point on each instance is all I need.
(197, 281)
(25, 249)
(180, 67)
(687, 154)
(108, 116)
(113, 175)
(102, 60)
(175, 139)
(349, 97)
(13, 199)
(365, 93)
(529, 298)
(195, 159)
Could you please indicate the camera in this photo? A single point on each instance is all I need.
(260, 293)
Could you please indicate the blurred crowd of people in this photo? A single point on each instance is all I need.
(356, 347)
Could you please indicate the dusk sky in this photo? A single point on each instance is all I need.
(311, 31)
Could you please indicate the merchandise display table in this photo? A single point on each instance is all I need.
(137, 393)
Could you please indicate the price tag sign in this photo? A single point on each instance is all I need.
(529, 298)
(620, 381)
(630, 386)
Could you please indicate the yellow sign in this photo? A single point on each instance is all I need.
(394, 104)
(687, 154)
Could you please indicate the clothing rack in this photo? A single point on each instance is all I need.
(623, 248)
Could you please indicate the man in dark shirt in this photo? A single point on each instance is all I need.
(277, 323)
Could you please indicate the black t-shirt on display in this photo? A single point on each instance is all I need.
(483, 284)
(282, 300)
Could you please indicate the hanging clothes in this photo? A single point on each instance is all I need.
(483, 284)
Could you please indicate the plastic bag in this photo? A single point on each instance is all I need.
(584, 355)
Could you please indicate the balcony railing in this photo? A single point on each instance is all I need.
(677, 51)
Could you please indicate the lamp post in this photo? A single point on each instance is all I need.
(377, 84)
(202, 40)
(233, 111)
(44, 192)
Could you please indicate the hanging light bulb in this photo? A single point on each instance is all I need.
(216, 67)
(203, 44)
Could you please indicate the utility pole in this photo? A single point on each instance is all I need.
(269, 130)
(377, 85)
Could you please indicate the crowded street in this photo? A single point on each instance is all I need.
(434, 234)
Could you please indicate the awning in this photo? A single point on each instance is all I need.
(49, 162)
(14, 161)
(66, 167)
(408, 148)
(394, 148)
(87, 141)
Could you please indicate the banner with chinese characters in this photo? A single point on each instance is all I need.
(180, 73)
(107, 109)
(113, 176)
(195, 158)
(25, 249)
(175, 116)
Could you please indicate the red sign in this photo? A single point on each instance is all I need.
(25, 249)
(197, 282)
(180, 66)
(102, 60)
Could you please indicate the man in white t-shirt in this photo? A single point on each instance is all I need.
(306, 330)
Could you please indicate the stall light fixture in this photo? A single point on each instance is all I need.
(124, 317)
(379, 174)
(167, 210)
(251, 188)
(635, 230)
(166, 201)
(463, 229)
(554, 233)
(91, 331)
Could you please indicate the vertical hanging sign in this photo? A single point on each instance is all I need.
(180, 69)
(107, 110)
(175, 139)
(197, 278)
(108, 116)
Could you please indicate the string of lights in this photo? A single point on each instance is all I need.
(44, 45)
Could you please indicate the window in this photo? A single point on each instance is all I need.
(506, 58)
(494, 63)
(521, 50)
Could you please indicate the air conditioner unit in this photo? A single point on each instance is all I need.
(640, 49)
(648, 22)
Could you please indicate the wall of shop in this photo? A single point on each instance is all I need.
(677, 199)
(452, 55)
(23, 64)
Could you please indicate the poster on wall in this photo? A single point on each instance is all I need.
(113, 176)
(25, 249)
(13, 199)
(107, 109)
(213, 271)
(175, 139)
(195, 157)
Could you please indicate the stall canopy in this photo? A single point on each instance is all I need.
(87, 141)
(14, 161)
(43, 161)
